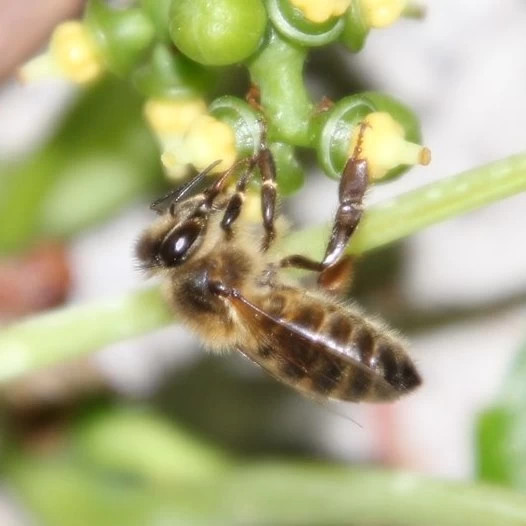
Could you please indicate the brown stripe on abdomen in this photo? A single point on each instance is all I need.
(299, 353)
(396, 367)
(332, 352)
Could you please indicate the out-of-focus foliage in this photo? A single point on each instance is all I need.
(501, 432)
(101, 158)
(100, 474)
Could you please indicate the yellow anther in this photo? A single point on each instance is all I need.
(206, 140)
(209, 140)
(167, 116)
(319, 11)
(384, 147)
(382, 13)
(72, 54)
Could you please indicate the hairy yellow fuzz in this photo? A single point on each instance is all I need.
(384, 147)
(382, 13)
(319, 11)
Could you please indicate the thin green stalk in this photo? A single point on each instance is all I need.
(278, 72)
(280, 493)
(405, 214)
(66, 333)
(69, 332)
(264, 493)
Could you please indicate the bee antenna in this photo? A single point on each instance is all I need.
(177, 194)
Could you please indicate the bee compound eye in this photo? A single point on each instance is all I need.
(176, 246)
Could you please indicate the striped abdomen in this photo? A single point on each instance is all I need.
(326, 349)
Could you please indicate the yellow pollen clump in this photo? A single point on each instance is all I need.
(72, 54)
(384, 147)
(207, 140)
(210, 140)
(167, 116)
(319, 11)
(75, 53)
(382, 13)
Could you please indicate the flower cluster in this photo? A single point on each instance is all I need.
(172, 51)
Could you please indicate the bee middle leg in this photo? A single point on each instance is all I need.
(267, 169)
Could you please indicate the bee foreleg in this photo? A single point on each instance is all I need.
(235, 203)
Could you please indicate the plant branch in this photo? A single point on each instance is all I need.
(276, 492)
(69, 332)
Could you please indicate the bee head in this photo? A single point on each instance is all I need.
(172, 239)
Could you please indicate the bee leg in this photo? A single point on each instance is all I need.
(301, 262)
(353, 185)
(217, 187)
(336, 278)
(207, 198)
(267, 169)
(235, 203)
(335, 269)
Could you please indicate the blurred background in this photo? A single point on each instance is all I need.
(457, 290)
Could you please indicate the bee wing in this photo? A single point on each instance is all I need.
(307, 361)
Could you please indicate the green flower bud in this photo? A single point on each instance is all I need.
(171, 74)
(334, 131)
(217, 33)
(356, 29)
(123, 36)
(158, 11)
(294, 25)
(243, 119)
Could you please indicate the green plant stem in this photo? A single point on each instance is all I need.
(278, 72)
(278, 493)
(56, 336)
(285, 493)
(66, 333)
(404, 215)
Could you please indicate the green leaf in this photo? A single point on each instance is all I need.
(501, 432)
(138, 442)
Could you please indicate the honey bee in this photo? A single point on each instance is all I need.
(223, 283)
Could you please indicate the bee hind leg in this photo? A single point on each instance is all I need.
(353, 184)
(336, 278)
(335, 269)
